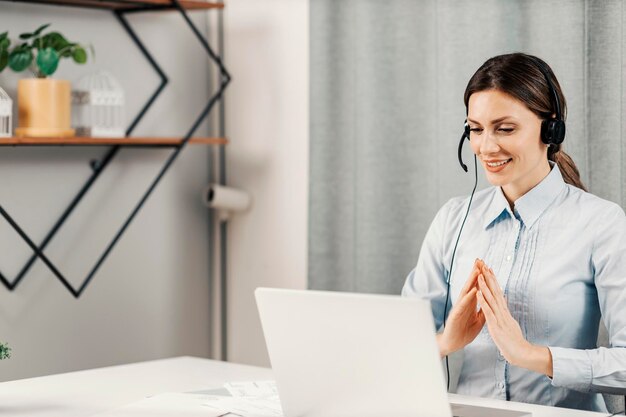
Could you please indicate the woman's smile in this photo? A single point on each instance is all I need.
(494, 165)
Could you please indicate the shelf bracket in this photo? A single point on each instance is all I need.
(99, 166)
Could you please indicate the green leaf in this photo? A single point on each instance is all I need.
(23, 47)
(47, 61)
(4, 58)
(20, 59)
(5, 43)
(28, 35)
(40, 29)
(54, 40)
(4, 51)
(4, 35)
(4, 54)
(68, 50)
(79, 55)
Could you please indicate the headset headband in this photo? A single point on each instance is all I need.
(556, 103)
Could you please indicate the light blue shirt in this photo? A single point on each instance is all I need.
(560, 257)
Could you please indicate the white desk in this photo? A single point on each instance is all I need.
(88, 392)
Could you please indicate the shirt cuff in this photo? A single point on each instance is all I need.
(571, 368)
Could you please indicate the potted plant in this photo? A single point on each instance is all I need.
(44, 103)
(5, 351)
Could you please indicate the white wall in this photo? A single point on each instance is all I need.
(267, 51)
(150, 298)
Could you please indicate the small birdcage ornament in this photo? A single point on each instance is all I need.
(6, 115)
(98, 106)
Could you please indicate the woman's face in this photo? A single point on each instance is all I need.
(505, 136)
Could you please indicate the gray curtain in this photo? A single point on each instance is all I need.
(387, 80)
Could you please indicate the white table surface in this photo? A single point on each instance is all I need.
(85, 393)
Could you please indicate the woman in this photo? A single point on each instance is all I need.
(554, 255)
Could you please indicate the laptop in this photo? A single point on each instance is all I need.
(356, 355)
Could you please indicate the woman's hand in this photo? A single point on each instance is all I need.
(464, 322)
(504, 329)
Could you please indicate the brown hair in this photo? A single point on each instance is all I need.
(518, 75)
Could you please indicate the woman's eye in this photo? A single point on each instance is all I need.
(476, 130)
(506, 129)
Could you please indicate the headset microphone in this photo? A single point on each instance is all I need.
(466, 135)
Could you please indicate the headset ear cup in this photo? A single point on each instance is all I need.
(466, 130)
(552, 132)
(559, 132)
(546, 136)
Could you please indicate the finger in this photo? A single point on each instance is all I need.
(480, 315)
(479, 320)
(494, 287)
(490, 318)
(496, 280)
(492, 277)
(467, 299)
(488, 295)
(479, 263)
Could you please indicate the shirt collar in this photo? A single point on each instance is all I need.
(531, 205)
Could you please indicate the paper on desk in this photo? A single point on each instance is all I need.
(167, 404)
(266, 406)
(249, 399)
(251, 388)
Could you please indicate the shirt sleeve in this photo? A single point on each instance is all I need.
(428, 279)
(602, 369)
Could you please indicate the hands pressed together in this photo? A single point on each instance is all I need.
(481, 301)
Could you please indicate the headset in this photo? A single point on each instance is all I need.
(552, 133)
(552, 128)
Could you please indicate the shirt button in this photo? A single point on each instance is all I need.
(500, 385)
(500, 357)
(508, 257)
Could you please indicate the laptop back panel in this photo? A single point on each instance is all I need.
(352, 355)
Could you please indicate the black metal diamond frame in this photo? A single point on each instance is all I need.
(99, 165)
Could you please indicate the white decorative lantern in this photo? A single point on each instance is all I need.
(98, 106)
(6, 113)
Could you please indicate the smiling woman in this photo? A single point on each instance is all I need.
(540, 261)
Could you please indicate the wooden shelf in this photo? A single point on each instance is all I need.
(128, 4)
(88, 141)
